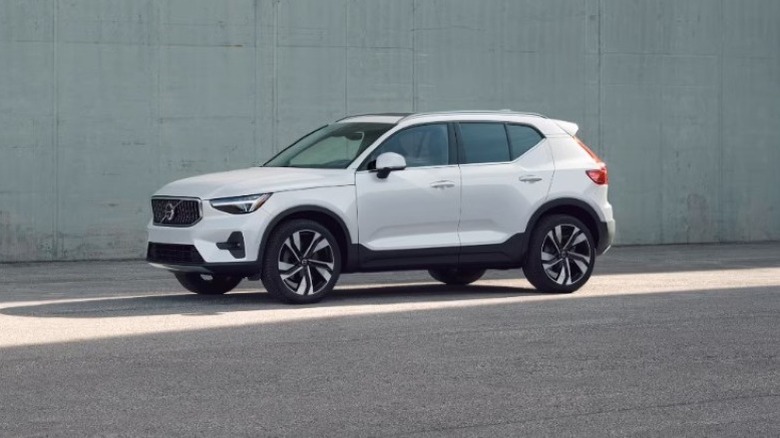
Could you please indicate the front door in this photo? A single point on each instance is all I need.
(411, 217)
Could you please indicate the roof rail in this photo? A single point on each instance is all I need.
(502, 111)
(402, 115)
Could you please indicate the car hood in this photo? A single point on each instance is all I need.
(256, 180)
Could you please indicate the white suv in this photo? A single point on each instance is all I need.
(455, 193)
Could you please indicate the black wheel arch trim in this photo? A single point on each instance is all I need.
(599, 228)
(349, 251)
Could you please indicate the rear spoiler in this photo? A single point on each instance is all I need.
(569, 127)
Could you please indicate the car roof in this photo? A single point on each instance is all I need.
(547, 126)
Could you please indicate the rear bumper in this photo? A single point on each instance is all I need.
(606, 236)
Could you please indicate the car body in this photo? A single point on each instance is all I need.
(452, 192)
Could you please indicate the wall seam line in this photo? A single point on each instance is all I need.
(600, 73)
(159, 118)
(414, 56)
(721, 210)
(275, 85)
(255, 147)
(56, 250)
(346, 61)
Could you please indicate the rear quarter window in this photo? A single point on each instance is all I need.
(521, 139)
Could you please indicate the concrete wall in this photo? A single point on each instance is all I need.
(103, 101)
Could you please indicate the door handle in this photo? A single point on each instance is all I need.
(530, 179)
(443, 184)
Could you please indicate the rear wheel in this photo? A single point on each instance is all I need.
(456, 276)
(205, 284)
(302, 262)
(560, 254)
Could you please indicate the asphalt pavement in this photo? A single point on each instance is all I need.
(663, 341)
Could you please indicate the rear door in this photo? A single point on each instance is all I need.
(506, 170)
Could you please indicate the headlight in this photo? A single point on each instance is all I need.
(240, 204)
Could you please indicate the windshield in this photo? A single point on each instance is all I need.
(330, 147)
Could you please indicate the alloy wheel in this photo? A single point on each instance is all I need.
(566, 254)
(306, 262)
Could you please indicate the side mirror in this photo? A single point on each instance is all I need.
(388, 162)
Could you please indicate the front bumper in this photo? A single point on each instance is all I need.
(219, 243)
(245, 269)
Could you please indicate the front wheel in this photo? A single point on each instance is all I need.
(456, 276)
(560, 254)
(204, 284)
(302, 262)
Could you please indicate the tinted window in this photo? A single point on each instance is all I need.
(484, 143)
(426, 145)
(521, 139)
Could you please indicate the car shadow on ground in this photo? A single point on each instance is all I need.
(192, 304)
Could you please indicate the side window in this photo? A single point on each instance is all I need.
(425, 145)
(522, 139)
(484, 143)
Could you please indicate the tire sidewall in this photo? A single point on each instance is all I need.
(270, 268)
(533, 268)
(220, 284)
(456, 276)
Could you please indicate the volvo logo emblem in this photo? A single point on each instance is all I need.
(169, 212)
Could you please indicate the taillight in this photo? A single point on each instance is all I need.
(599, 176)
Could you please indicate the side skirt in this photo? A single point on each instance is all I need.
(507, 255)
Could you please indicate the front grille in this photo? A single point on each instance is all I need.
(173, 212)
(173, 254)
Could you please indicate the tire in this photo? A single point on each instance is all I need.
(302, 262)
(560, 255)
(204, 284)
(456, 276)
